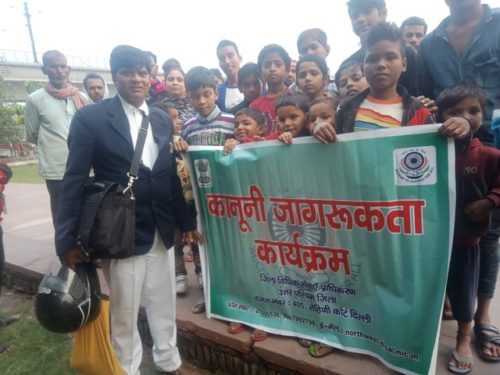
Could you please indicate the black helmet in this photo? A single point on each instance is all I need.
(67, 300)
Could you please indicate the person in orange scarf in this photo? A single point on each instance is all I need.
(48, 114)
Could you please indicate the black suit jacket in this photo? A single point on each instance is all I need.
(99, 137)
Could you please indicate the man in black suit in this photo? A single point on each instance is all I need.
(103, 136)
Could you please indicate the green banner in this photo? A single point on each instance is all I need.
(346, 243)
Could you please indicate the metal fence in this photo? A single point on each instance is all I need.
(26, 57)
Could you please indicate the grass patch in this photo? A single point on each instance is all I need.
(38, 351)
(35, 350)
(26, 174)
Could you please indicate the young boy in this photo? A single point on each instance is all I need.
(250, 84)
(313, 76)
(291, 110)
(157, 90)
(219, 79)
(274, 65)
(322, 110)
(350, 79)
(210, 127)
(173, 113)
(478, 193)
(414, 29)
(229, 61)
(384, 104)
(290, 79)
(181, 280)
(248, 124)
(314, 42)
(365, 15)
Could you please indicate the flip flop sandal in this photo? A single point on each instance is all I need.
(482, 329)
(235, 328)
(319, 350)
(305, 343)
(482, 345)
(486, 335)
(259, 335)
(458, 358)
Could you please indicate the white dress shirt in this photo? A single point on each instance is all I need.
(134, 116)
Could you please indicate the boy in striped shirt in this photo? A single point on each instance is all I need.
(211, 126)
(384, 105)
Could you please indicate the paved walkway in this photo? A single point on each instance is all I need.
(29, 243)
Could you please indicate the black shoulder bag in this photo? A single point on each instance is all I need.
(106, 227)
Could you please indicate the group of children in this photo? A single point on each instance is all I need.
(368, 98)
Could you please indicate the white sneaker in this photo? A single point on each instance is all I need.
(181, 284)
(200, 280)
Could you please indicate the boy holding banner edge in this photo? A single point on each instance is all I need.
(478, 193)
(384, 105)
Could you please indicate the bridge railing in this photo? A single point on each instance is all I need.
(26, 57)
(7, 55)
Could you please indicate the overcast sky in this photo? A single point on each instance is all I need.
(189, 30)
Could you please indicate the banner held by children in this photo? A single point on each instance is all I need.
(333, 242)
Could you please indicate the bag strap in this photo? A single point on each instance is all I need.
(139, 147)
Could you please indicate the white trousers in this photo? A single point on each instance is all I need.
(149, 279)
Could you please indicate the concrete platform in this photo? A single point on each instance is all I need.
(29, 244)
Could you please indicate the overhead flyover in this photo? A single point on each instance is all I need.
(23, 75)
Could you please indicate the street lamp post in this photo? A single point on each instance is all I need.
(28, 19)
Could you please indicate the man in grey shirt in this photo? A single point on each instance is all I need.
(48, 114)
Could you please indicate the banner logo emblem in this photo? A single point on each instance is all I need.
(415, 166)
(203, 174)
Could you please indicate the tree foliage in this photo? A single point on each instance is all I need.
(11, 117)
(32, 86)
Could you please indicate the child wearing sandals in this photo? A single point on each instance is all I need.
(291, 110)
(181, 279)
(248, 126)
(321, 110)
(478, 193)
